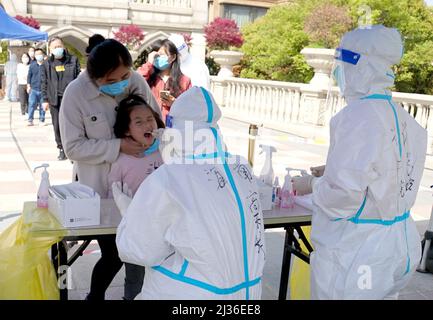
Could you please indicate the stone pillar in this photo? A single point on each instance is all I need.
(198, 47)
(219, 90)
(322, 61)
(313, 105)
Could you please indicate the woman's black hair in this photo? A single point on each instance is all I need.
(94, 41)
(40, 49)
(123, 119)
(106, 57)
(175, 74)
(25, 53)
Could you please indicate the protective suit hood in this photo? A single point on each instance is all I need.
(379, 48)
(181, 46)
(192, 106)
(191, 66)
(193, 114)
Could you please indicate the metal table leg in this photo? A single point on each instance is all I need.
(285, 268)
(62, 270)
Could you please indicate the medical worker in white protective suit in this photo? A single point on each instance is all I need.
(190, 65)
(198, 227)
(365, 241)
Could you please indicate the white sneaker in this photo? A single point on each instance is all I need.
(30, 124)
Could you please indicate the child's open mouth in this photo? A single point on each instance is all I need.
(148, 135)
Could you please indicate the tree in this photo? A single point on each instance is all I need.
(326, 24)
(415, 22)
(273, 42)
(221, 34)
(3, 52)
(30, 21)
(131, 36)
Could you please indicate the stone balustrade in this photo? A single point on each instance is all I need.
(297, 108)
(165, 3)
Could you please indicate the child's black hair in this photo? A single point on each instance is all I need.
(124, 111)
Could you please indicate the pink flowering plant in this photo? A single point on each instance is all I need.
(131, 36)
(223, 34)
(30, 21)
(188, 39)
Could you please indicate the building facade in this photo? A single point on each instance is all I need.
(76, 20)
(242, 11)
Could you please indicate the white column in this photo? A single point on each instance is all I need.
(198, 47)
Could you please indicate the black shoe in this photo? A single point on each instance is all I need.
(62, 155)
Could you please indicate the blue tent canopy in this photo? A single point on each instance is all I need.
(11, 28)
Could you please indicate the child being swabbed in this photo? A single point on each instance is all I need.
(135, 120)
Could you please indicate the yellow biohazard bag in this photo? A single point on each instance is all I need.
(26, 271)
(300, 274)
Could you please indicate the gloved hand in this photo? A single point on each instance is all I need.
(317, 171)
(157, 133)
(303, 185)
(122, 196)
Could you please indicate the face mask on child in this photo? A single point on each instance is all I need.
(154, 147)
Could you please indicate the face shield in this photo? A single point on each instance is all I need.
(343, 56)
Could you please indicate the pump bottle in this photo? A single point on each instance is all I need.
(267, 173)
(42, 199)
(287, 195)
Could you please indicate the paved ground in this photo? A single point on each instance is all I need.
(22, 148)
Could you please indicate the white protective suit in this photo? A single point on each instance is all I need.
(11, 78)
(198, 227)
(191, 66)
(366, 244)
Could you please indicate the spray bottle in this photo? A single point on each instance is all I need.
(276, 193)
(267, 173)
(287, 195)
(42, 201)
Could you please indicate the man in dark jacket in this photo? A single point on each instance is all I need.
(60, 69)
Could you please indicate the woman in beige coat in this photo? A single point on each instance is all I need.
(87, 116)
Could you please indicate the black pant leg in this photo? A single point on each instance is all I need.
(54, 110)
(106, 268)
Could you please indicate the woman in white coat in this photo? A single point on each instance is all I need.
(196, 221)
(366, 245)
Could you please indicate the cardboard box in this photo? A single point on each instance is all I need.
(265, 195)
(73, 212)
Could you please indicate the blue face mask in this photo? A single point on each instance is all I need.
(161, 62)
(58, 52)
(154, 147)
(338, 76)
(114, 89)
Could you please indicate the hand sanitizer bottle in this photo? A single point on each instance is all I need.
(287, 195)
(42, 200)
(276, 193)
